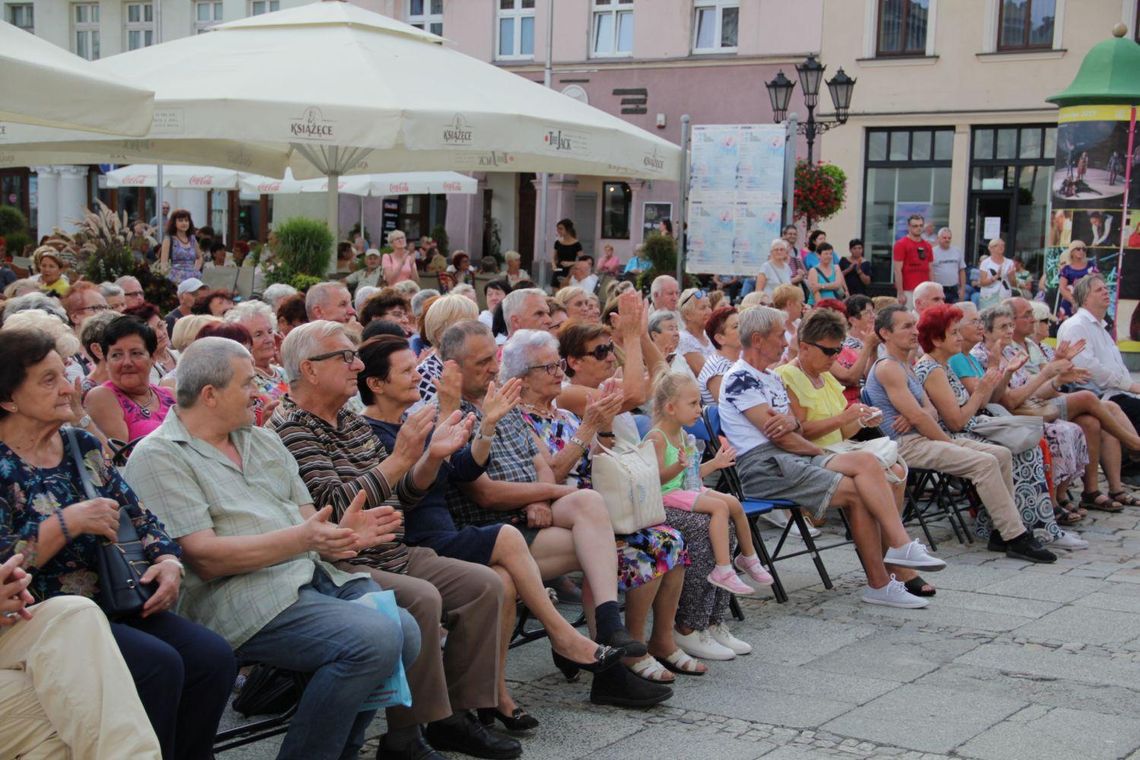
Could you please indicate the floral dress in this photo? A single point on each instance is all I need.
(29, 495)
(182, 259)
(1066, 439)
(642, 556)
(1030, 490)
(271, 386)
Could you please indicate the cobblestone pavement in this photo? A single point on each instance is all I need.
(1010, 660)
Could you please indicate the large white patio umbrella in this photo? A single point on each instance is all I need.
(330, 89)
(175, 176)
(46, 85)
(375, 185)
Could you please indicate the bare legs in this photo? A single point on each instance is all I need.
(580, 518)
(1084, 402)
(721, 508)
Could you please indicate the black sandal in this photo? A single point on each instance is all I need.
(1098, 501)
(915, 586)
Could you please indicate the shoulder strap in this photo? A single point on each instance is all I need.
(84, 476)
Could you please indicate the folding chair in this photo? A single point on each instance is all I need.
(273, 725)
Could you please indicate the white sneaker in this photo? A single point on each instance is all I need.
(1070, 541)
(894, 594)
(779, 518)
(703, 646)
(724, 637)
(913, 555)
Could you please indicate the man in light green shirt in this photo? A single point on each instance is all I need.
(258, 554)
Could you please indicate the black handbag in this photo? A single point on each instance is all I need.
(269, 691)
(120, 563)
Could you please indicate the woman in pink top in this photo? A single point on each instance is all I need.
(400, 264)
(128, 406)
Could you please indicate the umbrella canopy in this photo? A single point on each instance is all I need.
(46, 85)
(175, 176)
(377, 185)
(331, 89)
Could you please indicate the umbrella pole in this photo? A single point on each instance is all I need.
(158, 197)
(682, 206)
(333, 215)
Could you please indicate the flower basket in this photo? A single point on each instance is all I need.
(821, 190)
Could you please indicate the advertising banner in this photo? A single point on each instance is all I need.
(736, 185)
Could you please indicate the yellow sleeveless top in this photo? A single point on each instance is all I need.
(819, 403)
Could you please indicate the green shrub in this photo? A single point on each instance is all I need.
(12, 220)
(661, 250)
(439, 235)
(304, 246)
(303, 282)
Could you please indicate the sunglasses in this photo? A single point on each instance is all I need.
(600, 352)
(347, 355)
(697, 294)
(827, 351)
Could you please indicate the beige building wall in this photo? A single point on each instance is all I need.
(960, 82)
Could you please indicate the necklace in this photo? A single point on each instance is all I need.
(547, 413)
(144, 408)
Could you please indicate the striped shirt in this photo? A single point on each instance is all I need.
(336, 463)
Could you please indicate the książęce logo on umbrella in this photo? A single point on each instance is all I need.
(458, 131)
(654, 161)
(312, 124)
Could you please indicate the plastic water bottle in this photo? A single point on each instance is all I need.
(693, 451)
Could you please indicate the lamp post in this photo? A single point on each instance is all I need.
(810, 74)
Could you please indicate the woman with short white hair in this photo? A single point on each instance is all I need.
(259, 320)
(776, 270)
(997, 276)
(695, 308)
(441, 314)
(665, 332)
(515, 273)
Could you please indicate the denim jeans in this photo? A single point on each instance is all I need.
(348, 648)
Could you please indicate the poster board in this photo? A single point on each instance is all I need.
(736, 183)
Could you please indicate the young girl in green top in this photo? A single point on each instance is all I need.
(676, 404)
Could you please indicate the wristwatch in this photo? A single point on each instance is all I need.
(84, 421)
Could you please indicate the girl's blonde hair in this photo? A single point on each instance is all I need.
(666, 386)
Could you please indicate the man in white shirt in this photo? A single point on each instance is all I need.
(665, 292)
(949, 268)
(582, 275)
(1108, 377)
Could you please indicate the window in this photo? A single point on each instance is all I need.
(902, 27)
(140, 25)
(715, 25)
(23, 16)
(86, 27)
(617, 199)
(206, 14)
(516, 29)
(426, 15)
(613, 28)
(257, 7)
(907, 172)
(1026, 24)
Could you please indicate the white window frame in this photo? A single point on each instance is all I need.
(142, 27)
(13, 11)
(427, 20)
(718, 7)
(517, 13)
(88, 30)
(266, 6)
(616, 9)
(216, 15)
(871, 30)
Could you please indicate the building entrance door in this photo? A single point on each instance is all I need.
(991, 217)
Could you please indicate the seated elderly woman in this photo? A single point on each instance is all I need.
(290, 313)
(724, 335)
(165, 357)
(390, 304)
(816, 399)
(576, 302)
(388, 385)
(1037, 393)
(440, 314)
(213, 302)
(259, 322)
(790, 300)
(90, 336)
(183, 671)
(566, 442)
(694, 306)
(958, 409)
(338, 456)
(69, 639)
(665, 332)
(129, 405)
(776, 461)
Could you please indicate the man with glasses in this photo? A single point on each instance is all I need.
(338, 457)
(913, 259)
(82, 302)
(132, 291)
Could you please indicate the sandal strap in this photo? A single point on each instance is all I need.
(650, 669)
(679, 659)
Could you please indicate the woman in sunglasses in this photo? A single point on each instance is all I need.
(1078, 267)
(694, 345)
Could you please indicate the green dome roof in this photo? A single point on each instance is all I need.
(1109, 75)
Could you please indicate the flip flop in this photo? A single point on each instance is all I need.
(915, 586)
(682, 664)
(649, 669)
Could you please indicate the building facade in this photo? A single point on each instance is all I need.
(949, 117)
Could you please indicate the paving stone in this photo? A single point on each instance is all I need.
(947, 718)
(895, 656)
(796, 640)
(1076, 624)
(675, 741)
(1052, 737)
(1039, 662)
(1028, 586)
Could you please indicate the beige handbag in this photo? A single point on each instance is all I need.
(630, 484)
(884, 449)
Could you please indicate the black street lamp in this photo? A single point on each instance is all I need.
(810, 74)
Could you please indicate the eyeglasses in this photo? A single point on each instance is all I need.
(697, 294)
(1044, 321)
(553, 368)
(1078, 248)
(133, 294)
(827, 351)
(600, 352)
(347, 355)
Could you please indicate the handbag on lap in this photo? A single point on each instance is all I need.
(630, 484)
